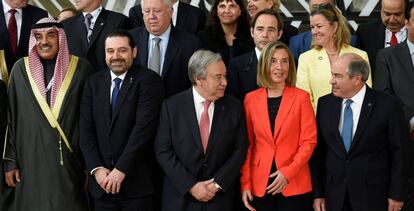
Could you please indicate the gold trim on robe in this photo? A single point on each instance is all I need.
(3, 67)
(52, 114)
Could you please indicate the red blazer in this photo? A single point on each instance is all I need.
(291, 146)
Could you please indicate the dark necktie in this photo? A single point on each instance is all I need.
(393, 41)
(88, 18)
(347, 125)
(154, 63)
(205, 125)
(115, 93)
(12, 30)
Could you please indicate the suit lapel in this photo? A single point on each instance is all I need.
(3, 30)
(364, 116)
(171, 50)
(335, 117)
(380, 36)
(143, 46)
(97, 28)
(126, 85)
(404, 55)
(82, 29)
(262, 112)
(288, 98)
(189, 114)
(218, 116)
(104, 97)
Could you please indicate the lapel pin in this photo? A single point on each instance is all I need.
(102, 24)
(131, 80)
(369, 104)
(320, 58)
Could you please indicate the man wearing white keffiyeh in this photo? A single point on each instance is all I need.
(42, 163)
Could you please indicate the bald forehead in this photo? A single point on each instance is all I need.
(393, 4)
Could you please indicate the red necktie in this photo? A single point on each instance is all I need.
(205, 125)
(394, 40)
(12, 30)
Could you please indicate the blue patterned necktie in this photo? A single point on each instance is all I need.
(115, 93)
(347, 125)
(88, 19)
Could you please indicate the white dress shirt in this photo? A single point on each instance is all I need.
(175, 13)
(18, 16)
(401, 36)
(113, 76)
(199, 107)
(356, 106)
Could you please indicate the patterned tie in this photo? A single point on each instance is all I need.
(347, 125)
(88, 18)
(12, 30)
(394, 40)
(205, 125)
(154, 63)
(115, 93)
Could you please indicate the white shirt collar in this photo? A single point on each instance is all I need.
(113, 76)
(197, 97)
(6, 9)
(175, 12)
(358, 98)
(258, 53)
(401, 35)
(94, 13)
(410, 47)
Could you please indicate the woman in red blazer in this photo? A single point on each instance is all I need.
(282, 136)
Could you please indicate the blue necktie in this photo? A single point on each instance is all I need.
(115, 93)
(347, 125)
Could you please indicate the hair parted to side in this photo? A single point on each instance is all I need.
(265, 62)
(198, 62)
(342, 36)
(357, 66)
(122, 33)
(268, 12)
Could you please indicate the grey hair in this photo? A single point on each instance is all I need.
(198, 62)
(167, 3)
(357, 65)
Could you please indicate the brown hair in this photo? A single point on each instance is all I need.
(265, 61)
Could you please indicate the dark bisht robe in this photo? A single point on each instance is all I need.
(51, 179)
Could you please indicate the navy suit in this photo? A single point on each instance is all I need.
(375, 166)
(180, 153)
(181, 46)
(94, 51)
(241, 77)
(30, 15)
(122, 139)
(189, 18)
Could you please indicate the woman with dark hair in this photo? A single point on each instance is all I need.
(281, 128)
(227, 31)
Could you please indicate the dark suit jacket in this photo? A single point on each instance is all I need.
(375, 167)
(123, 141)
(241, 76)
(288, 32)
(3, 112)
(189, 18)
(107, 21)
(180, 153)
(371, 38)
(181, 46)
(302, 42)
(31, 15)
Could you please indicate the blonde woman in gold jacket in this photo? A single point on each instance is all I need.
(330, 39)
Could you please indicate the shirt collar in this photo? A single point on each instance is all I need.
(258, 53)
(113, 76)
(164, 36)
(358, 98)
(410, 47)
(175, 11)
(197, 97)
(6, 8)
(94, 13)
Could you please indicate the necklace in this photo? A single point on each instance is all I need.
(331, 54)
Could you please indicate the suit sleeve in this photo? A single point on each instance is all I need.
(399, 152)
(3, 111)
(151, 93)
(317, 161)
(382, 80)
(230, 170)
(135, 16)
(168, 160)
(307, 139)
(88, 141)
(245, 178)
(369, 81)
